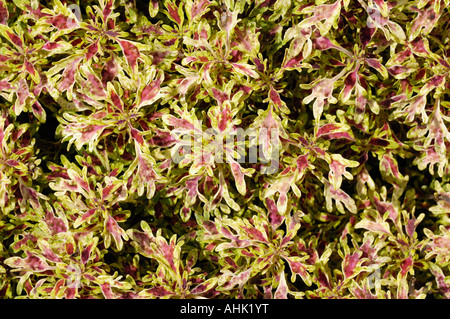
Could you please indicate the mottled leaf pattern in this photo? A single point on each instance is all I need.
(224, 149)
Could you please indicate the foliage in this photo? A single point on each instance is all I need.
(119, 180)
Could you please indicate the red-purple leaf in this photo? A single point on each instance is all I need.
(30, 195)
(238, 175)
(327, 12)
(406, 265)
(390, 165)
(441, 281)
(378, 142)
(173, 12)
(282, 289)
(26, 240)
(55, 224)
(68, 76)
(91, 50)
(88, 215)
(106, 290)
(47, 252)
(114, 229)
(349, 84)
(38, 111)
(162, 139)
(203, 287)
(340, 198)
(4, 14)
(323, 43)
(350, 262)
(167, 251)
(70, 249)
(86, 253)
(89, 131)
(137, 136)
(62, 22)
(12, 163)
(117, 101)
(146, 171)
(130, 51)
(276, 219)
(297, 267)
(426, 19)
(245, 69)
(185, 213)
(275, 98)
(29, 68)
(333, 131)
(50, 46)
(79, 181)
(5, 85)
(434, 82)
(418, 46)
(224, 117)
(365, 35)
(16, 40)
(159, 291)
(239, 279)
(411, 227)
(109, 71)
(95, 85)
(153, 7)
(326, 129)
(302, 163)
(377, 66)
(107, 9)
(150, 91)
(374, 226)
(398, 70)
(57, 287)
(70, 293)
(143, 241)
(383, 207)
(209, 226)
(31, 262)
(219, 96)
(259, 65)
(322, 279)
(106, 192)
(175, 122)
(294, 62)
(192, 190)
(22, 93)
(199, 8)
(255, 234)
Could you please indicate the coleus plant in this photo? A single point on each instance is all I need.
(224, 149)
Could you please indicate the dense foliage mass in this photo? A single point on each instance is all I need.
(103, 196)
